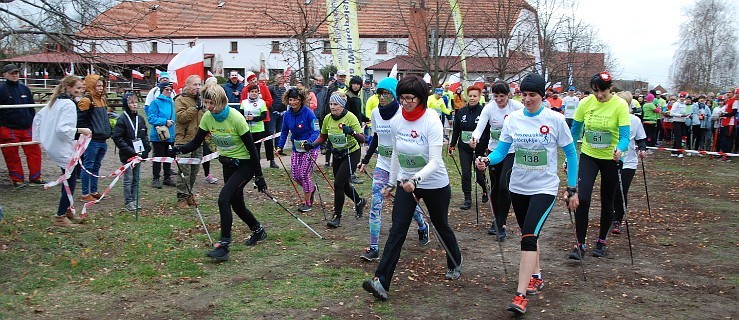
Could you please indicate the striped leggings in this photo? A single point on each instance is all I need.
(379, 180)
(301, 168)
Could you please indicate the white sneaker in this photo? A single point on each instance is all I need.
(673, 155)
(211, 179)
(680, 155)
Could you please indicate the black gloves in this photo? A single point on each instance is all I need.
(347, 129)
(261, 185)
(174, 151)
(308, 145)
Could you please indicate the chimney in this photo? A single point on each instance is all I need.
(152, 20)
(417, 34)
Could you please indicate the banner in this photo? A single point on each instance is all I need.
(457, 14)
(186, 63)
(351, 28)
(334, 33)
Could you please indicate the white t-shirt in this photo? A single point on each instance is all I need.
(630, 159)
(536, 139)
(494, 115)
(411, 149)
(385, 139)
(570, 104)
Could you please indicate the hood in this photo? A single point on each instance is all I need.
(90, 84)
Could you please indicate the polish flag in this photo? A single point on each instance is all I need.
(46, 74)
(112, 76)
(210, 74)
(186, 63)
(137, 75)
(158, 72)
(71, 70)
(287, 76)
(454, 81)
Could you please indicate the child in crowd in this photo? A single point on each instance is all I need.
(131, 137)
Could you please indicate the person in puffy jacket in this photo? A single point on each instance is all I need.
(92, 113)
(161, 114)
(131, 137)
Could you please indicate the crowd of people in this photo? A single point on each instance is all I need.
(512, 141)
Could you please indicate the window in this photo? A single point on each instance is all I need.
(129, 47)
(234, 47)
(382, 47)
(154, 47)
(326, 47)
(275, 47)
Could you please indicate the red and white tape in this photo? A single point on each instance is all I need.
(696, 151)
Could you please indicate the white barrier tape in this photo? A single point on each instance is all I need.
(713, 153)
(18, 144)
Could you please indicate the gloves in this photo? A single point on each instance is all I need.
(308, 146)
(347, 130)
(261, 184)
(174, 151)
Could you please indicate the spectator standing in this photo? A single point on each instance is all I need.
(233, 88)
(161, 114)
(92, 113)
(154, 92)
(188, 112)
(278, 107)
(131, 137)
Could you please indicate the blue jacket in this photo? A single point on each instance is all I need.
(303, 125)
(229, 87)
(160, 110)
(16, 93)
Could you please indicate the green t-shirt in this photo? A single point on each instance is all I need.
(648, 112)
(226, 135)
(600, 124)
(338, 139)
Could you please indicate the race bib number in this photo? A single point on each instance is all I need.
(223, 142)
(298, 144)
(138, 146)
(316, 127)
(598, 139)
(570, 106)
(495, 133)
(466, 136)
(339, 141)
(531, 159)
(411, 161)
(385, 151)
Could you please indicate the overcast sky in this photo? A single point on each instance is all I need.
(642, 34)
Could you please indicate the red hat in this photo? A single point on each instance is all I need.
(683, 94)
(250, 75)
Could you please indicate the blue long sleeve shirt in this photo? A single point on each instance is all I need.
(303, 125)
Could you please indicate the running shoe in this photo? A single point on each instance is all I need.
(518, 304)
(375, 288)
(219, 252)
(616, 227)
(256, 236)
(600, 250)
(578, 252)
(535, 285)
(370, 254)
(423, 236)
(211, 179)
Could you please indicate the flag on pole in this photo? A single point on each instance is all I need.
(158, 72)
(71, 70)
(454, 81)
(112, 75)
(135, 74)
(210, 74)
(394, 72)
(427, 78)
(46, 74)
(186, 63)
(287, 76)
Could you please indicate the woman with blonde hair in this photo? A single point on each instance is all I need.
(55, 126)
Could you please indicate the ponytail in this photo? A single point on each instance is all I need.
(68, 81)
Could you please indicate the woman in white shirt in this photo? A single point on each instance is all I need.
(55, 126)
(417, 169)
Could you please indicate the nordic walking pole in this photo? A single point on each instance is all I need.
(646, 190)
(288, 175)
(138, 187)
(318, 190)
(477, 208)
(290, 212)
(623, 202)
(330, 185)
(495, 224)
(574, 231)
(351, 173)
(189, 191)
(455, 164)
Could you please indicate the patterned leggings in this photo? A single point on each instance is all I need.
(379, 180)
(301, 168)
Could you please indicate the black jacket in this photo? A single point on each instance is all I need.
(465, 119)
(354, 105)
(16, 93)
(93, 117)
(123, 136)
(277, 92)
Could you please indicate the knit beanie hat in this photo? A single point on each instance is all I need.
(250, 75)
(163, 74)
(438, 91)
(338, 99)
(164, 84)
(650, 97)
(533, 82)
(388, 84)
(355, 79)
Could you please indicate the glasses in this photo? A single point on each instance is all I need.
(385, 94)
(409, 99)
(166, 89)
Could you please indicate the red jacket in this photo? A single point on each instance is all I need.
(266, 96)
(727, 109)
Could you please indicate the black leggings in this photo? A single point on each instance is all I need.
(206, 165)
(589, 168)
(500, 176)
(232, 197)
(531, 213)
(627, 175)
(161, 149)
(342, 174)
(437, 203)
(651, 131)
(466, 160)
(678, 129)
(268, 145)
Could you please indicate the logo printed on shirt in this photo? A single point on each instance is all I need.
(414, 134)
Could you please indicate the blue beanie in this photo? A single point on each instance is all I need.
(438, 91)
(163, 85)
(388, 84)
(163, 74)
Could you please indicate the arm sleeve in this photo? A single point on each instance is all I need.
(623, 137)
(266, 95)
(577, 129)
(154, 117)
(183, 112)
(321, 139)
(260, 117)
(248, 141)
(394, 166)
(119, 136)
(641, 144)
(571, 155)
(195, 143)
(283, 132)
(481, 124)
(500, 152)
(372, 149)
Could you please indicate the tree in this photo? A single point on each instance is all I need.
(707, 56)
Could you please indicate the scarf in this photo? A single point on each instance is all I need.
(415, 114)
(221, 115)
(336, 118)
(388, 111)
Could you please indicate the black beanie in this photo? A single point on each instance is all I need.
(355, 79)
(533, 82)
